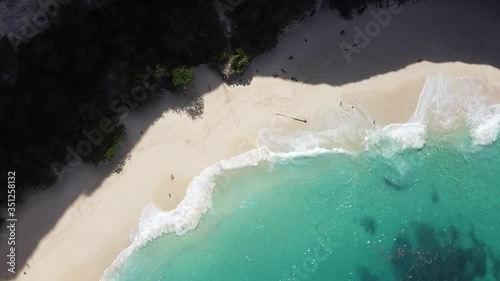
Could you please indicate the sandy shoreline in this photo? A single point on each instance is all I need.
(96, 227)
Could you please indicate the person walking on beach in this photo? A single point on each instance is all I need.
(172, 176)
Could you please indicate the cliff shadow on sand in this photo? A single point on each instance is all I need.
(322, 50)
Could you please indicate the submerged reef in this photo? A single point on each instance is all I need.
(442, 256)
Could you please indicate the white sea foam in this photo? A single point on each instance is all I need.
(334, 127)
(396, 137)
(450, 103)
(296, 141)
(486, 132)
(188, 213)
(155, 222)
(446, 104)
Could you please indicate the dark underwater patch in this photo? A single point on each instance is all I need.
(390, 183)
(434, 197)
(366, 275)
(495, 264)
(441, 256)
(369, 225)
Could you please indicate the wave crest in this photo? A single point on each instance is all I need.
(446, 104)
(449, 103)
(397, 137)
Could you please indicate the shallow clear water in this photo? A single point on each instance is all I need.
(421, 214)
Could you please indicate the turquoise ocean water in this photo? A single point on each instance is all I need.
(425, 213)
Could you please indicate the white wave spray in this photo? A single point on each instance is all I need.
(446, 104)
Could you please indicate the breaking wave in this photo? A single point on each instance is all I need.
(447, 104)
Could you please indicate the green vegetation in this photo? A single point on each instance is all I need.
(145, 78)
(69, 88)
(116, 144)
(182, 77)
(58, 86)
(240, 61)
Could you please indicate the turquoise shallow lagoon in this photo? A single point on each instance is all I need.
(420, 214)
(419, 201)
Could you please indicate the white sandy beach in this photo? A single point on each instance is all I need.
(384, 79)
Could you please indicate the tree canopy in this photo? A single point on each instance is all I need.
(182, 76)
(65, 89)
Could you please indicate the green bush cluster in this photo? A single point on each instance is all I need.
(182, 76)
(64, 80)
(239, 61)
